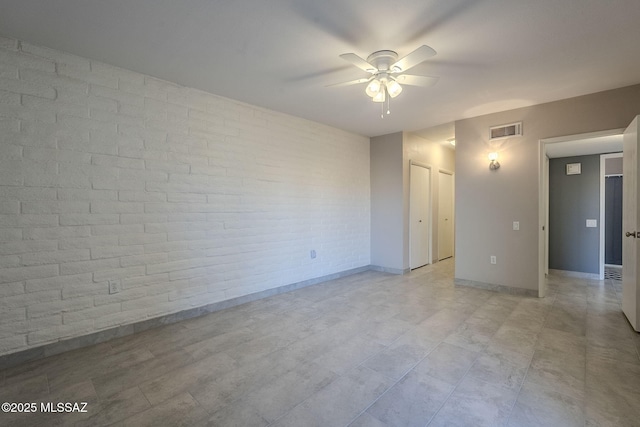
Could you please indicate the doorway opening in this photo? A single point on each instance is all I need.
(572, 145)
(611, 214)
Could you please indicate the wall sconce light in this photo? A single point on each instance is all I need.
(494, 161)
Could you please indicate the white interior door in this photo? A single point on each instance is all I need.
(445, 215)
(630, 226)
(419, 189)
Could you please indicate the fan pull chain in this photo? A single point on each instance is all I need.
(388, 100)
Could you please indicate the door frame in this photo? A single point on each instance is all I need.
(543, 201)
(429, 209)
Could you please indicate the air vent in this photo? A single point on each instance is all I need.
(505, 131)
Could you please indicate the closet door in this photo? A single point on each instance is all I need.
(445, 215)
(419, 206)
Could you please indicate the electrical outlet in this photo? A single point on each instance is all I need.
(493, 259)
(312, 253)
(516, 225)
(114, 286)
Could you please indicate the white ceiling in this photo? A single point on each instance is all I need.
(493, 55)
(585, 146)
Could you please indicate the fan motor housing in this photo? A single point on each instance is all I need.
(383, 59)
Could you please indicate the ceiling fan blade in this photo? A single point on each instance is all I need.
(352, 82)
(419, 55)
(411, 80)
(358, 62)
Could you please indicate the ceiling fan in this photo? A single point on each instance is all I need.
(387, 72)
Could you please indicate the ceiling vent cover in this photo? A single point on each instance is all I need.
(505, 131)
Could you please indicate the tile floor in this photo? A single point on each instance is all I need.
(371, 349)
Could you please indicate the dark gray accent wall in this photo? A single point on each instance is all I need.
(613, 220)
(572, 200)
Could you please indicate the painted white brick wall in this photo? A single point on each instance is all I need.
(186, 197)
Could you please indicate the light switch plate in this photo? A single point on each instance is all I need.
(114, 286)
(516, 225)
(592, 223)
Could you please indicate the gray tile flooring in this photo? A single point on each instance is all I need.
(371, 349)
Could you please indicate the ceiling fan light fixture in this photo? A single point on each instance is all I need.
(385, 68)
(373, 88)
(380, 96)
(394, 88)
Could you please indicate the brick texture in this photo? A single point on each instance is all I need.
(185, 197)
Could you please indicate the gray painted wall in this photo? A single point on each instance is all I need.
(572, 200)
(387, 214)
(488, 202)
